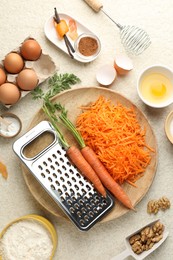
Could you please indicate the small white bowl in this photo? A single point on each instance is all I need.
(169, 127)
(89, 57)
(160, 70)
(106, 74)
(12, 125)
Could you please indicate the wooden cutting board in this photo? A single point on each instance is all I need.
(73, 99)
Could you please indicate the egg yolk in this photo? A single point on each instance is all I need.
(158, 90)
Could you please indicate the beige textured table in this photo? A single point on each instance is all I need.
(20, 19)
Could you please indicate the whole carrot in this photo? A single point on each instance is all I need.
(105, 177)
(77, 158)
(49, 108)
(95, 163)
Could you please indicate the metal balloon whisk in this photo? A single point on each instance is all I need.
(134, 39)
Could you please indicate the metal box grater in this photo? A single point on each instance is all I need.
(64, 183)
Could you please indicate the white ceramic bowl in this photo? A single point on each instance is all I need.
(90, 57)
(15, 125)
(169, 126)
(161, 70)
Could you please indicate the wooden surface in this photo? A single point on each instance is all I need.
(72, 100)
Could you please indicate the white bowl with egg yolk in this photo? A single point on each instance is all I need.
(155, 86)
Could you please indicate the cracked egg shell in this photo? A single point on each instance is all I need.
(106, 75)
(123, 64)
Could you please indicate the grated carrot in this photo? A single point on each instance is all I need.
(117, 138)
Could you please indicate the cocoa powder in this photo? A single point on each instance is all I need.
(87, 46)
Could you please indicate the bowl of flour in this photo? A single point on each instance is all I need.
(30, 237)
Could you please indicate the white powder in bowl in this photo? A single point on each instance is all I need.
(11, 129)
(26, 239)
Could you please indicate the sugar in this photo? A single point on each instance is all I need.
(12, 128)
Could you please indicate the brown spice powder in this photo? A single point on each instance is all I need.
(87, 46)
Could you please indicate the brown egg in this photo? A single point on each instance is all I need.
(13, 62)
(3, 76)
(9, 93)
(30, 49)
(27, 79)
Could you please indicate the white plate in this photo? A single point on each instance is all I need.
(51, 34)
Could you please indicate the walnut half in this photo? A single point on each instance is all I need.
(146, 238)
(154, 206)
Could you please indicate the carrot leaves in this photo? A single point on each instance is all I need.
(56, 84)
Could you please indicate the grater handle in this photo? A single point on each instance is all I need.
(36, 131)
